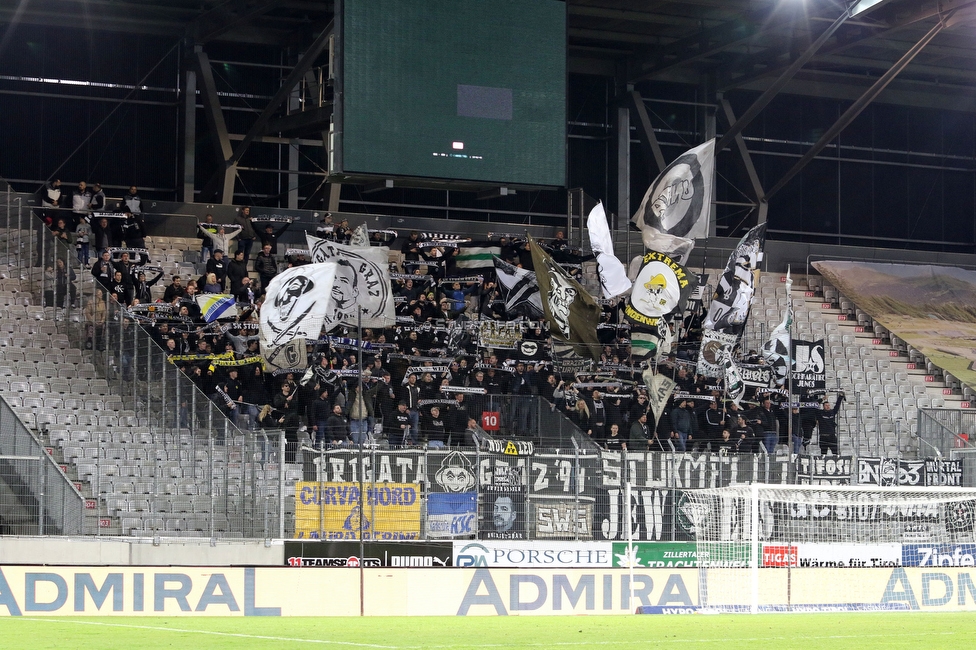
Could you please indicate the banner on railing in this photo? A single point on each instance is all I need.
(336, 511)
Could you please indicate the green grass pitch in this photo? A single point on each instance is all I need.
(807, 631)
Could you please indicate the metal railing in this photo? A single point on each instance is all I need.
(159, 456)
(36, 498)
(946, 429)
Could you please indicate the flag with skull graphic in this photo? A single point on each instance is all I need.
(572, 313)
(296, 303)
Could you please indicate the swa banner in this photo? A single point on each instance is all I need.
(809, 366)
(336, 511)
(661, 288)
(452, 515)
(562, 519)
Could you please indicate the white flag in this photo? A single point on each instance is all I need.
(360, 237)
(362, 282)
(296, 303)
(676, 206)
(659, 390)
(613, 275)
(735, 388)
(776, 351)
(292, 355)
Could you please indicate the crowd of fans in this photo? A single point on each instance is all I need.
(425, 381)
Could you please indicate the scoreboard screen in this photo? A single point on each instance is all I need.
(469, 90)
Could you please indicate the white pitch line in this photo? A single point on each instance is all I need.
(210, 632)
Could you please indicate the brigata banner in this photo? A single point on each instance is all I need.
(532, 554)
(679, 555)
(336, 511)
(339, 554)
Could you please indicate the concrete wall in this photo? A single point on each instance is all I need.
(117, 551)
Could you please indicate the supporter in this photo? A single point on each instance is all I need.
(103, 271)
(827, 425)
(287, 416)
(580, 415)
(614, 441)
(222, 238)
(683, 425)
(640, 434)
(598, 410)
(217, 266)
(433, 430)
(134, 231)
(398, 427)
(246, 232)
(745, 438)
(255, 394)
(336, 427)
(132, 201)
(725, 443)
(105, 234)
(713, 423)
(763, 422)
(233, 394)
(83, 234)
(142, 289)
(361, 414)
(204, 232)
(50, 195)
(174, 290)
(121, 286)
(97, 203)
(236, 272)
(124, 265)
(266, 266)
(269, 235)
(80, 203)
(247, 294)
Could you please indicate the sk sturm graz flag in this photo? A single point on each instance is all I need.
(296, 303)
(676, 206)
(476, 257)
(715, 347)
(362, 282)
(661, 288)
(613, 275)
(519, 290)
(776, 351)
(292, 355)
(809, 366)
(730, 306)
(572, 313)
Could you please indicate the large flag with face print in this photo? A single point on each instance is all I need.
(572, 313)
(676, 206)
(362, 282)
(296, 303)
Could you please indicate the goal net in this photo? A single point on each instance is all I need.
(816, 548)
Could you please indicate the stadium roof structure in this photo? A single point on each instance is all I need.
(731, 44)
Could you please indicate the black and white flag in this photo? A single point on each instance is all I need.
(733, 297)
(362, 282)
(613, 275)
(296, 303)
(676, 206)
(519, 289)
(809, 366)
(661, 288)
(715, 347)
(776, 351)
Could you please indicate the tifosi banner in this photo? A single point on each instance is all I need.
(824, 470)
(336, 511)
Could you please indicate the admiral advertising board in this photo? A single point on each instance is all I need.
(483, 591)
